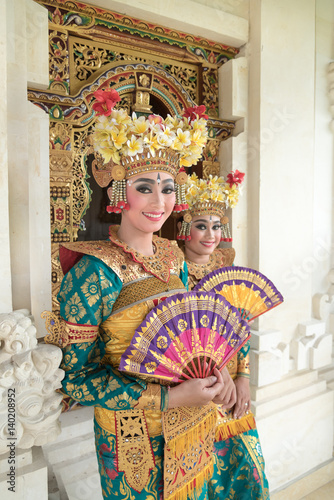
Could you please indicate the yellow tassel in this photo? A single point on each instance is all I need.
(197, 433)
(232, 428)
(189, 490)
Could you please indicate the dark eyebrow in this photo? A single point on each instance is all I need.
(152, 181)
(206, 221)
(143, 179)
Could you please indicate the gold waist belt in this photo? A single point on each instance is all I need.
(106, 419)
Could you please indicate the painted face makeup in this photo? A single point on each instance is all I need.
(151, 197)
(205, 237)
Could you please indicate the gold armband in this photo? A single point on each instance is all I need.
(62, 333)
(150, 399)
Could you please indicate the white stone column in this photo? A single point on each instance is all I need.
(6, 282)
(39, 215)
(26, 193)
(18, 134)
(233, 105)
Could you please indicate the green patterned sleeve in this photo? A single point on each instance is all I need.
(87, 294)
(243, 361)
(184, 274)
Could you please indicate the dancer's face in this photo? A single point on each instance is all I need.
(205, 235)
(151, 198)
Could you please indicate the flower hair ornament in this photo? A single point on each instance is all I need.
(128, 145)
(212, 196)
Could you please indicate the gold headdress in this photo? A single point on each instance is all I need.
(212, 196)
(127, 146)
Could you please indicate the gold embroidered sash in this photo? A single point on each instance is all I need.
(189, 437)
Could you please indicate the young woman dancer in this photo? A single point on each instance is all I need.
(108, 289)
(240, 463)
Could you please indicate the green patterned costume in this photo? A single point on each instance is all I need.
(106, 293)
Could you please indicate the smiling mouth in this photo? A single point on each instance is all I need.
(153, 216)
(207, 243)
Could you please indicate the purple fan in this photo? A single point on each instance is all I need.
(186, 336)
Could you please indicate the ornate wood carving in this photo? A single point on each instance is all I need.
(154, 69)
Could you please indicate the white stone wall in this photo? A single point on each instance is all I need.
(321, 258)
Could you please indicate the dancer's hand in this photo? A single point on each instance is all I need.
(243, 397)
(228, 396)
(196, 392)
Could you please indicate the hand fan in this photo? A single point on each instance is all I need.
(186, 336)
(248, 290)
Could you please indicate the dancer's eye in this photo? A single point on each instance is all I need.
(168, 189)
(144, 188)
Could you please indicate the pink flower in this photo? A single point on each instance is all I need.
(256, 475)
(155, 119)
(106, 100)
(111, 473)
(195, 113)
(156, 122)
(235, 178)
(221, 452)
(104, 448)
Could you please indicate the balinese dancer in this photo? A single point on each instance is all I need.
(240, 465)
(108, 289)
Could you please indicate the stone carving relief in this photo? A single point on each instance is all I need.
(268, 356)
(312, 347)
(29, 377)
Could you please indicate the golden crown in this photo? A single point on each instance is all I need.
(211, 196)
(127, 146)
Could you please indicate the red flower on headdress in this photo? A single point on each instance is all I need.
(195, 112)
(106, 100)
(235, 178)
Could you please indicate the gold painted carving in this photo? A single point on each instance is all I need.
(56, 275)
(60, 161)
(60, 135)
(144, 80)
(134, 452)
(80, 190)
(142, 103)
(92, 58)
(58, 61)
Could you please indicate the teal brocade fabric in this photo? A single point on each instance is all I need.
(87, 295)
(238, 470)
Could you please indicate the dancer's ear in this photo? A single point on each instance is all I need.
(109, 192)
